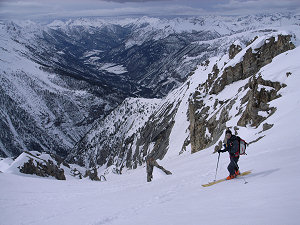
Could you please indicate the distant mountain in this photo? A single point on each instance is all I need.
(229, 91)
(58, 78)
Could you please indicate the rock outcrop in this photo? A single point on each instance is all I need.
(208, 115)
(138, 128)
(234, 50)
(125, 148)
(260, 94)
(253, 61)
(42, 167)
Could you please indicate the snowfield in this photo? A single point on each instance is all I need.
(270, 196)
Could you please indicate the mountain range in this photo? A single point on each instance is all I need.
(110, 92)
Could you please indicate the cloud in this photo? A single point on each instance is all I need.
(257, 5)
(56, 8)
(138, 1)
(52, 9)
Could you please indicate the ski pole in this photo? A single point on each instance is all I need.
(238, 168)
(217, 167)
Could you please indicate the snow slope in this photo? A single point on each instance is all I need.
(52, 108)
(269, 197)
(123, 57)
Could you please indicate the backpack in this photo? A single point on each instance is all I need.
(242, 146)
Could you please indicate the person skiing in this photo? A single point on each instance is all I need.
(232, 146)
(151, 162)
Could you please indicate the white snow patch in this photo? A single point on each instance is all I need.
(113, 68)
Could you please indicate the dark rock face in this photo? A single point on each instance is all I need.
(104, 147)
(201, 121)
(127, 151)
(156, 131)
(207, 127)
(234, 50)
(92, 174)
(42, 168)
(253, 61)
(257, 101)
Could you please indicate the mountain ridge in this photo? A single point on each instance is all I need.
(201, 117)
(90, 88)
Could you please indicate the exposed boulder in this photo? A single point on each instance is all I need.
(41, 167)
(92, 174)
(267, 126)
(234, 50)
(76, 173)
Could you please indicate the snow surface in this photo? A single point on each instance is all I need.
(113, 68)
(270, 196)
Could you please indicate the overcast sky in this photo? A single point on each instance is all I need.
(52, 9)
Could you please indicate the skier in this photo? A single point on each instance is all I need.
(150, 164)
(232, 146)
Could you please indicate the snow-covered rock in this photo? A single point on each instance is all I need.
(56, 80)
(36, 163)
(194, 116)
(165, 131)
(33, 163)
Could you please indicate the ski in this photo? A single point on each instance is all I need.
(224, 179)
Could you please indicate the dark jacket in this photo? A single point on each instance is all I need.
(232, 146)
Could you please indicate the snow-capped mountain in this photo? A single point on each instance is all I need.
(41, 110)
(254, 90)
(56, 79)
(228, 91)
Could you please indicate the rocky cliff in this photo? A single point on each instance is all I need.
(249, 104)
(60, 83)
(222, 92)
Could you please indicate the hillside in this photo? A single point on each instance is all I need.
(58, 78)
(251, 88)
(269, 197)
(227, 92)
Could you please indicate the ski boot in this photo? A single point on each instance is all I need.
(231, 177)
